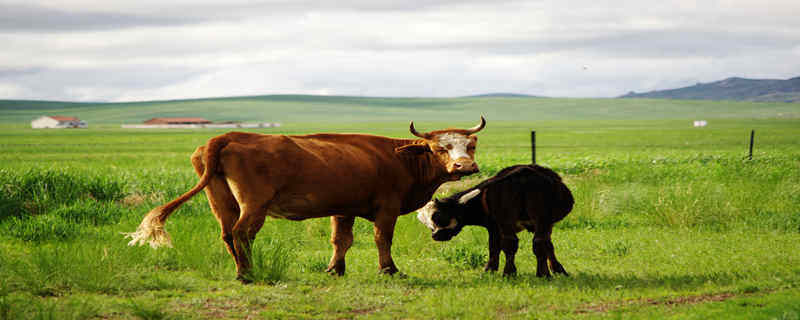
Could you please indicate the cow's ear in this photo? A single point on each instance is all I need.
(415, 149)
(468, 196)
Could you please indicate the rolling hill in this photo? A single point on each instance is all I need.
(739, 89)
(305, 108)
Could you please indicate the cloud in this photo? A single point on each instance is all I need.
(144, 50)
(36, 18)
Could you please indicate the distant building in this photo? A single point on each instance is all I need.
(57, 122)
(700, 123)
(177, 121)
(195, 123)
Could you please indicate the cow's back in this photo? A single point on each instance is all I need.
(314, 175)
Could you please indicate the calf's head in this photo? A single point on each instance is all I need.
(454, 149)
(445, 217)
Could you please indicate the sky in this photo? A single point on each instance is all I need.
(110, 50)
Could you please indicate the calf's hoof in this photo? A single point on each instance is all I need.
(557, 268)
(244, 279)
(509, 271)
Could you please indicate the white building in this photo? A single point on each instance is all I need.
(57, 122)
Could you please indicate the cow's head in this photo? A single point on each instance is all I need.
(453, 148)
(444, 217)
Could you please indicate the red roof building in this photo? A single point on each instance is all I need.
(177, 121)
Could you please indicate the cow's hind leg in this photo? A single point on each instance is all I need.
(226, 209)
(244, 233)
(341, 239)
(222, 202)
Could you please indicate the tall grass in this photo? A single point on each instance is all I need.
(271, 260)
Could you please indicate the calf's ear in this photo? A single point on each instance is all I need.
(414, 149)
(468, 196)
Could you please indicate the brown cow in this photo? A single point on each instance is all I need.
(249, 176)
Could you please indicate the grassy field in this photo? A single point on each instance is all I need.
(670, 222)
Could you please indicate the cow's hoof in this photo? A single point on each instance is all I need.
(490, 268)
(390, 270)
(336, 269)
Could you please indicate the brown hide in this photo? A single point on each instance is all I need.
(300, 177)
(248, 176)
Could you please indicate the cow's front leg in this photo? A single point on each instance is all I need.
(510, 244)
(494, 249)
(341, 239)
(384, 231)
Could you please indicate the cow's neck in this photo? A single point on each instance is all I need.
(428, 175)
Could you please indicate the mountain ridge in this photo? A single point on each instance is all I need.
(733, 88)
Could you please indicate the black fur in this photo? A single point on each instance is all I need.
(518, 197)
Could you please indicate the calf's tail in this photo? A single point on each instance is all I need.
(151, 230)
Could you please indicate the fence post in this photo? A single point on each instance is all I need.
(752, 135)
(533, 146)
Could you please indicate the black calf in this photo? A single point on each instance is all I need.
(519, 197)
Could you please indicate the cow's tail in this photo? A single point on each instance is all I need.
(151, 230)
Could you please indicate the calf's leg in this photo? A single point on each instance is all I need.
(341, 239)
(551, 256)
(541, 249)
(510, 244)
(494, 249)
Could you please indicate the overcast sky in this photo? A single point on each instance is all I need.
(108, 50)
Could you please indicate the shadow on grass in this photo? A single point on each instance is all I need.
(597, 281)
(575, 280)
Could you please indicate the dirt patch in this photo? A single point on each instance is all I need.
(687, 300)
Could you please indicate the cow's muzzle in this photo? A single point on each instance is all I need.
(463, 167)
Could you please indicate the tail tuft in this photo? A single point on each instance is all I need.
(151, 231)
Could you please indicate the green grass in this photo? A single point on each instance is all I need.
(670, 222)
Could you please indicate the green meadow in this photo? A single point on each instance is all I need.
(670, 221)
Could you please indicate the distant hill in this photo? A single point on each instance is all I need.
(502, 95)
(739, 89)
(289, 109)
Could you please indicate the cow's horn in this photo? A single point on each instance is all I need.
(414, 131)
(468, 196)
(478, 127)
